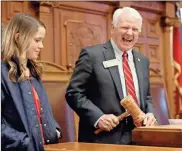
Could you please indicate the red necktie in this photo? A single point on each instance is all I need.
(128, 77)
(129, 81)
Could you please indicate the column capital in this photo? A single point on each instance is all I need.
(167, 22)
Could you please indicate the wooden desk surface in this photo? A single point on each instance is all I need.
(75, 146)
(161, 135)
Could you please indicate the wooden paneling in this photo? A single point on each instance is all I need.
(74, 25)
(9, 9)
(46, 16)
(150, 41)
(61, 111)
(68, 32)
(168, 56)
(161, 136)
(55, 80)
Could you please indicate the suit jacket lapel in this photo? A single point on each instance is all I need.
(109, 55)
(139, 70)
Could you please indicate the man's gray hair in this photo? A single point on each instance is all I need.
(124, 12)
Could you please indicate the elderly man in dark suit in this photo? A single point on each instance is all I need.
(106, 73)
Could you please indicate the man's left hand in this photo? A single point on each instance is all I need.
(150, 120)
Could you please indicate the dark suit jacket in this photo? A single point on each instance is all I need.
(95, 90)
(20, 129)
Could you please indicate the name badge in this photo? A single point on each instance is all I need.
(110, 63)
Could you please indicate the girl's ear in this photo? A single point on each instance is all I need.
(17, 37)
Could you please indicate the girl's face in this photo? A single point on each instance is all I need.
(36, 44)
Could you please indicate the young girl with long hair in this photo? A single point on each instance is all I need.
(27, 122)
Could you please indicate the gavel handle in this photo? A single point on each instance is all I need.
(120, 117)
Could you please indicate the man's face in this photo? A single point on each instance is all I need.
(126, 33)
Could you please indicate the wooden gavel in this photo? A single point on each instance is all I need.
(131, 109)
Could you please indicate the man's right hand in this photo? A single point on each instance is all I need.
(107, 122)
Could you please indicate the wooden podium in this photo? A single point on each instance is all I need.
(163, 135)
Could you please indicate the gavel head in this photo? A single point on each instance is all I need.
(133, 109)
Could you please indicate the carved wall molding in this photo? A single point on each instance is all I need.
(139, 47)
(50, 66)
(152, 28)
(153, 53)
(72, 26)
(53, 72)
(81, 6)
(13, 8)
(144, 26)
(155, 76)
(157, 7)
(80, 34)
(155, 64)
(154, 71)
(54, 4)
(167, 21)
(45, 9)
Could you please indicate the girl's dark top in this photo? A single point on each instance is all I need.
(20, 128)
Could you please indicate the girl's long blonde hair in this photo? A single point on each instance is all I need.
(26, 26)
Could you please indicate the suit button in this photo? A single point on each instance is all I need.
(40, 142)
(29, 93)
(37, 125)
(45, 125)
(41, 109)
(48, 141)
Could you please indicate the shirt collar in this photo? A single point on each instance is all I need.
(117, 51)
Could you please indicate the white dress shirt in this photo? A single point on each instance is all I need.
(118, 54)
